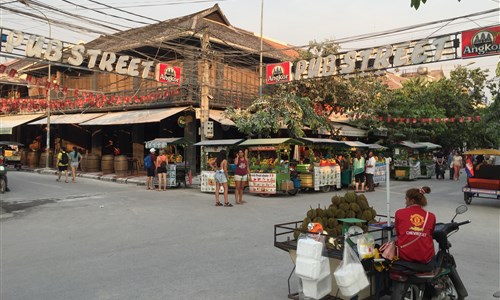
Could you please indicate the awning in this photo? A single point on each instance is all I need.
(219, 142)
(356, 144)
(164, 142)
(347, 130)
(9, 122)
(67, 119)
(430, 146)
(376, 146)
(412, 145)
(217, 116)
(276, 141)
(135, 116)
(321, 141)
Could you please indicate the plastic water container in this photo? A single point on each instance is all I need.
(317, 289)
(309, 268)
(309, 248)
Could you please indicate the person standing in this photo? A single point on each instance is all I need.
(450, 164)
(242, 175)
(161, 169)
(457, 165)
(74, 160)
(370, 172)
(150, 166)
(221, 177)
(359, 172)
(439, 165)
(62, 164)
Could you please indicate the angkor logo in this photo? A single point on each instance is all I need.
(170, 75)
(482, 42)
(277, 74)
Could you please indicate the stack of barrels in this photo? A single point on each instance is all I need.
(32, 159)
(121, 165)
(107, 164)
(42, 163)
(91, 163)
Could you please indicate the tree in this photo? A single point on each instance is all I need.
(416, 3)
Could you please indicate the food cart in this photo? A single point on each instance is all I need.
(323, 172)
(269, 161)
(177, 168)
(11, 153)
(427, 164)
(209, 151)
(379, 176)
(406, 163)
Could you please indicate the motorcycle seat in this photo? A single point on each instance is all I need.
(412, 267)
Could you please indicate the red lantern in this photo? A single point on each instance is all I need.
(396, 120)
(437, 120)
(469, 119)
(388, 119)
(414, 120)
(444, 120)
(424, 120)
(461, 119)
(452, 120)
(381, 119)
(407, 120)
(478, 118)
(65, 90)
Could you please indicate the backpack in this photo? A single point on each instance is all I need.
(64, 158)
(148, 163)
(163, 164)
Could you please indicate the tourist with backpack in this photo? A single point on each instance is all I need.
(149, 165)
(75, 157)
(161, 169)
(62, 164)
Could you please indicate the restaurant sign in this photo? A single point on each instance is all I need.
(168, 74)
(481, 42)
(278, 73)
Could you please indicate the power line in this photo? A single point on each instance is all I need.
(116, 8)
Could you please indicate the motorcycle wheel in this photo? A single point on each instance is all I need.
(3, 186)
(448, 292)
(293, 192)
(325, 188)
(404, 291)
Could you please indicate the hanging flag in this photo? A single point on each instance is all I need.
(469, 167)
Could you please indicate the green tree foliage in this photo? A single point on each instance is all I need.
(416, 3)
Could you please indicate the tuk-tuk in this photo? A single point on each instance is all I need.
(10, 153)
(482, 181)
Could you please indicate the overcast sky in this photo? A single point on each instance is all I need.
(291, 21)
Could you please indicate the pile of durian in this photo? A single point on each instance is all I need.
(351, 205)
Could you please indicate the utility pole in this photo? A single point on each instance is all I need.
(204, 101)
(261, 41)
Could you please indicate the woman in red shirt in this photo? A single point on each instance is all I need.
(414, 228)
(242, 175)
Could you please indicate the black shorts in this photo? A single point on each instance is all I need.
(360, 177)
(151, 172)
(161, 170)
(62, 168)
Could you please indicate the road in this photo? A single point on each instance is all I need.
(102, 240)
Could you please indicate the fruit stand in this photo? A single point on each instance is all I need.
(209, 151)
(406, 163)
(324, 172)
(177, 168)
(269, 161)
(427, 164)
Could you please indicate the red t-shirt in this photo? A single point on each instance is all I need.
(409, 224)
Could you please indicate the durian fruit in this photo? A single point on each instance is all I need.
(340, 214)
(374, 212)
(306, 220)
(359, 215)
(342, 200)
(311, 214)
(332, 222)
(304, 226)
(363, 204)
(319, 220)
(350, 214)
(355, 207)
(361, 197)
(367, 215)
(296, 234)
(336, 200)
(350, 197)
(319, 212)
(344, 206)
(364, 227)
(330, 212)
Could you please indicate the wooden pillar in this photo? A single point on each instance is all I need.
(190, 133)
(138, 142)
(96, 142)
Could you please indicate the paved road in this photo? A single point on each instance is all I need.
(101, 240)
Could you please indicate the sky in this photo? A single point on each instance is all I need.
(294, 22)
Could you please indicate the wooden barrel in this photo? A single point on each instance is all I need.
(121, 165)
(91, 163)
(43, 160)
(32, 159)
(23, 158)
(107, 164)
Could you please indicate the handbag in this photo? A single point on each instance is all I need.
(390, 250)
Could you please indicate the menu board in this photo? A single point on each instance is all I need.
(208, 182)
(326, 176)
(262, 183)
(171, 175)
(379, 175)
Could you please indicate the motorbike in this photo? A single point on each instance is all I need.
(3, 176)
(437, 280)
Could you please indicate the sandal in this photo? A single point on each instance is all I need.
(228, 205)
(218, 204)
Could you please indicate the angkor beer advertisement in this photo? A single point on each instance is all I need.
(278, 73)
(481, 42)
(168, 74)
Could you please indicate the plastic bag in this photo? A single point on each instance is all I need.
(350, 274)
(366, 246)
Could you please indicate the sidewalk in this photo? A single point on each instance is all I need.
(131, 179)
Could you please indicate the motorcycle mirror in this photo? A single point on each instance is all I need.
(459, 210)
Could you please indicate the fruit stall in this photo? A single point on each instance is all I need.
(269, 161)
(177, 168)
(209, 151)
(406, 163)
(322, 172)
(378, 152)
(427, 164)
(347, 219)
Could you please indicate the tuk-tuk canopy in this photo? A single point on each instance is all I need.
(267, 142)
(219, 142)
(164, 142)
(10, 143)
(483, 152)
(430, 146)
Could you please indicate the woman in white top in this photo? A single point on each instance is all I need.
(74, 160)
(457, 165)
